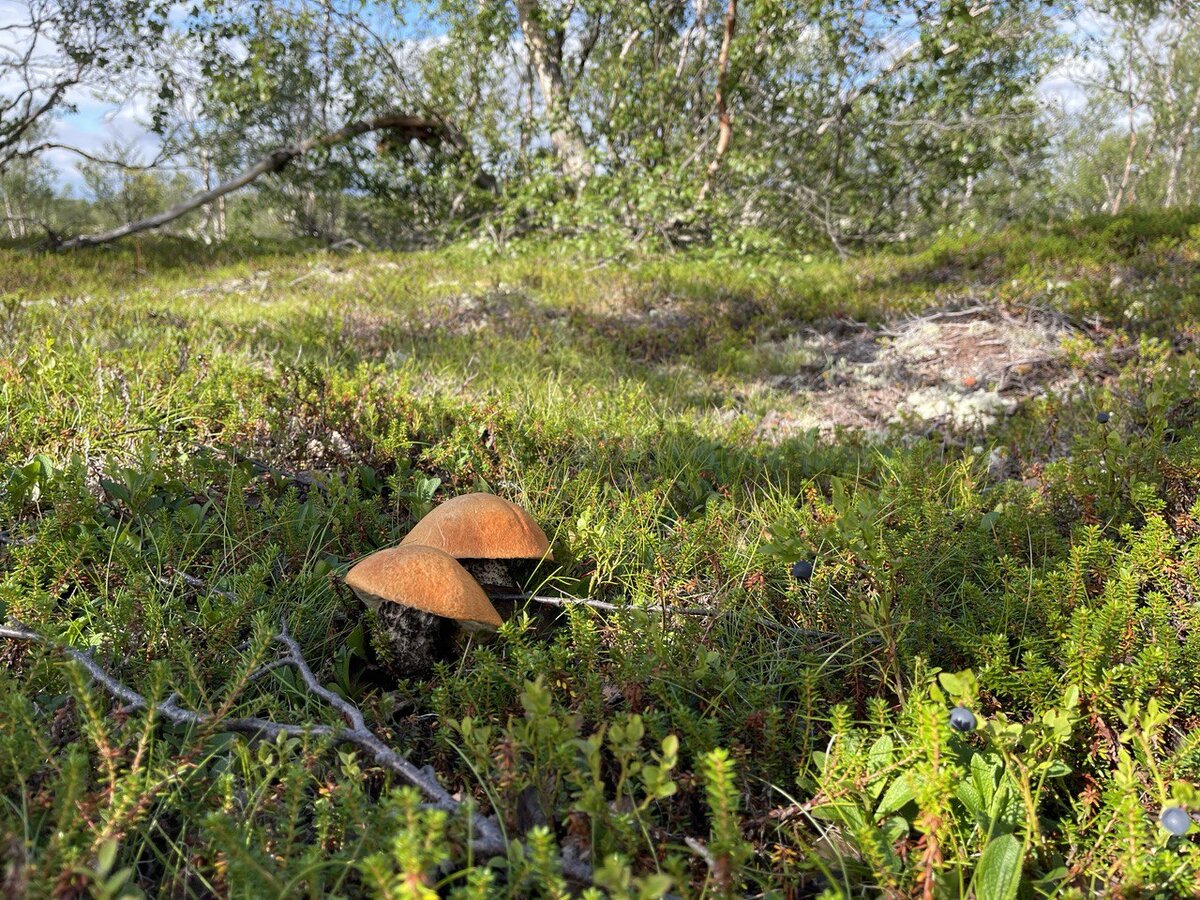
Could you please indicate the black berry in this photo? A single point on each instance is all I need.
(962, 719)
(1101, 417)
(802, 570)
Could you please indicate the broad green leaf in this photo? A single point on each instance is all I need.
(841, 811)
(880, 754)
(998, 875)
(898, 794)
(968, 793)
(984, 774)
(1057, 769)
(106, 856)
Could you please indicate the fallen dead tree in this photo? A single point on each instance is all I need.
(400, 127)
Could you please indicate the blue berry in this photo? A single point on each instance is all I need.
(962, 719)
(1101, 417)
(1176, 820)
(802, 570)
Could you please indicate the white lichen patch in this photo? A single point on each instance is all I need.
(978, 409)
(960, 369)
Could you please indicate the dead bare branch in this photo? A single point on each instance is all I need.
(563, 602)
(696, 611)
(411, 127)
(489, 839)
(194, 582)
(155, 164)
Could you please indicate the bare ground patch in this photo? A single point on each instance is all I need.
(959, 369)
(499, 312)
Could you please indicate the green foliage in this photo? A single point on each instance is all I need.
(923, 804)
(849, 122)
(727, 849)
(190, 456)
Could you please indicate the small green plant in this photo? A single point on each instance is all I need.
(967, 809)
(104, 881)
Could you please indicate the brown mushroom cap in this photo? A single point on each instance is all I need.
(423, 578)
(481, 526)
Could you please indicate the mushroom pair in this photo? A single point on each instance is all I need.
(425, 591)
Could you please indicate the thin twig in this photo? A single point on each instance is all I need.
(199, 584)
(303, 479)
(307, 275)
(698, 847)
(563, 602)
(1009, 368)
(267, 668)
(697, 611)
(899, 326)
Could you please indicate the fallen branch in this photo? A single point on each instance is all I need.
(697, 611)
(169, 709)
(563, 602)
(405, 126)
(488, 837)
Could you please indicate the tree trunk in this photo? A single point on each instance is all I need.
(8, 215)
(724, 117)
(1182, 136)
(566, 135)
(1119, 197)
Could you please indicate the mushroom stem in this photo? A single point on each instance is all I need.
(493, 575)
(407, 641)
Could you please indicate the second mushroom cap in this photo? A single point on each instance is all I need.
(481, 526)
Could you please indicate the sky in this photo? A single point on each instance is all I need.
(92, 128)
